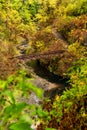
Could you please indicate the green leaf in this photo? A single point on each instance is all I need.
(19, 107)
(26, 118)
(41, 113)
(10, 94)
(20, 126)
(3, 84)
(15, 109)
(8, 110)
(50, 129)
(10, 79)
(38, 91)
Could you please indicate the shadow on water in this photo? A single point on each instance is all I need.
(60, 83)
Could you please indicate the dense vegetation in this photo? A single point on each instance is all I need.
(44, 26)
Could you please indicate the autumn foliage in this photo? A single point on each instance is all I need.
(44, 26)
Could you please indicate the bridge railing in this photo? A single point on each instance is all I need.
(41, 55)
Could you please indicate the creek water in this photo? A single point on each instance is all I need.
(42, 78)
(51, 84)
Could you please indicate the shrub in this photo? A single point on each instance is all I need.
(16, 114)
(68, 111)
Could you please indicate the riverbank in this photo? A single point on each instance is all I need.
(51, 84)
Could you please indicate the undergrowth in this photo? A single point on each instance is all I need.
(69, 111)
(16, 113)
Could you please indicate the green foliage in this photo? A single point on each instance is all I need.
(16, 19)
(71, 105)
(14, 112)
(68, 30)
(77, 8)
(20, 126)
(36, 22)
(50, 129)
(72, 7)
(20, 18)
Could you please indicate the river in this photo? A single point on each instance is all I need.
(51, 84)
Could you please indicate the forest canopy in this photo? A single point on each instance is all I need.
(43, 26)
